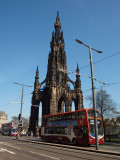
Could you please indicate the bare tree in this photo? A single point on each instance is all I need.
(104, 103)
(25, 121)
(14, 119)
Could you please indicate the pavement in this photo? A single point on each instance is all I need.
(102, 149)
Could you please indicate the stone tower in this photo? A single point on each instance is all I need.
(56, 95)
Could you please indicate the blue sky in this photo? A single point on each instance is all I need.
(25, 33)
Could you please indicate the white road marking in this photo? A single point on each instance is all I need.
(7, 144)
(11, 146)
(45, 155)
(1, 150)
(5, 150)
(2, 142)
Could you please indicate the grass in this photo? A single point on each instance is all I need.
(112, 139)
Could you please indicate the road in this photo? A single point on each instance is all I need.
(12, 149)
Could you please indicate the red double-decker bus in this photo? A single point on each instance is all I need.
(10, 129)
(76, 127)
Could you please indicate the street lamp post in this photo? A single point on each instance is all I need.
(93, 91)
(20, 115)
(94, 99)
(21, 102)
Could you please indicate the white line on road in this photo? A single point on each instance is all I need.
(45, 155)
(1, 150)
(5, 150)
(2, 142)
(9, 145)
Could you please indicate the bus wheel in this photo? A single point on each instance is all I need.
(74, 141)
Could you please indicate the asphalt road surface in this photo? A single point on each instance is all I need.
(11, 149)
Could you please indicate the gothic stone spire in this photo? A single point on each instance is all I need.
(57, 55)
(36, 84)
(77, 83)
(57, 26)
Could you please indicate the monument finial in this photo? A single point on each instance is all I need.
(58, 21)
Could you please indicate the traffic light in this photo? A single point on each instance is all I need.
(19, 117)
(21, 123)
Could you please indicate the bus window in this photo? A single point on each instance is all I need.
(62, 117)
(56, 118)
(15, 124)
(53, 118)
(85, 130)
(92, 127)
(73, 116)
(56, 130)
(50, 119)
(77, 116)
(100, 128)
(80, 130)
(45, 119)
(66, 117)
(91, 113)
(98, 114)
(14, 130)
(59, 117)
(46, 131)
(83, 113)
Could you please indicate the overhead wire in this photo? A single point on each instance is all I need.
(107, 57)
(110, 84)
(101, 60)
(26, 108)
(107, 85)
(14, 100)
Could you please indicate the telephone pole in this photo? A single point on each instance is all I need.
(20, 115)
(93, 90)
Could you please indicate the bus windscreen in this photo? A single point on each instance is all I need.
(91, 113)
(92, 127)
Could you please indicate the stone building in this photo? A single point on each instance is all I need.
(56, 96)
(3, 118)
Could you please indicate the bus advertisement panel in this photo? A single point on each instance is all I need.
(75, 127)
